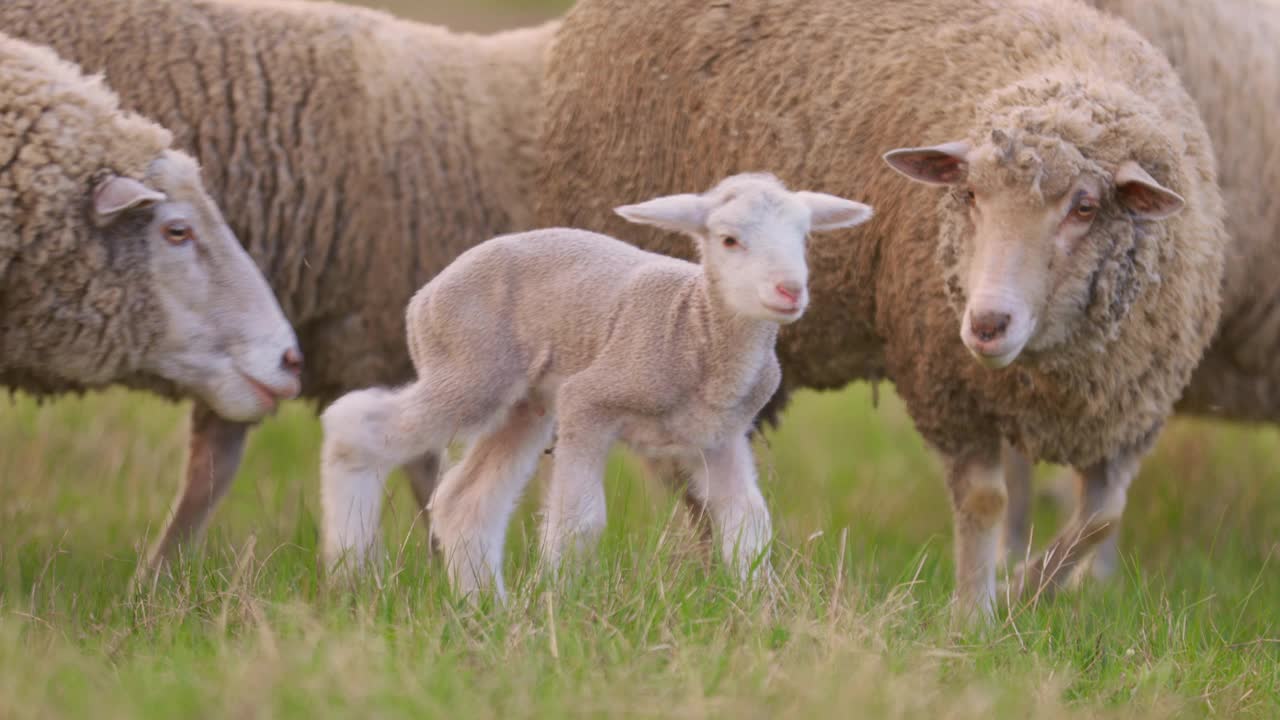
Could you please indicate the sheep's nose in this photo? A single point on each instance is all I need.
(291, 362)
(790, 290)
(989, 326)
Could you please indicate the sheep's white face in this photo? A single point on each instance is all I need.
(225, 338)
(752, 232)
(1027, 264)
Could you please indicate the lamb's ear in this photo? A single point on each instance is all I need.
(1143, 196)
(828, 212)
(686, 213)
(117, 194)
(945, 164)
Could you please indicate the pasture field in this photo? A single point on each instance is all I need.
(856, 626)
(247, 628)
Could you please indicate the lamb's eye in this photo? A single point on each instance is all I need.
(970, 198)
(178, 232)
(729, 241)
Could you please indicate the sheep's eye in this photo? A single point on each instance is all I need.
(178, 233)
(1084, 210)
(729, 241)
(970, 198)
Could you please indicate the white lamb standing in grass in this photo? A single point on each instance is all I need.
(603, 342)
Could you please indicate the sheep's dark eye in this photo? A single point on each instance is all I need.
(729, 241)
(178, 233)
(970, 198)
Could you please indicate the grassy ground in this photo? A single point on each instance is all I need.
(858, 624)
(246, 628)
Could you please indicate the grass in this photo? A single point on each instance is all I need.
(858, 623)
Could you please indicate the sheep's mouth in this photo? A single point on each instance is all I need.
(269, 396)
(784, 312)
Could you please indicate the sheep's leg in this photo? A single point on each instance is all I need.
(367, 433)
(724, 481)
(978, 499)
(423, 474)
(1017, 525)
(213, 457)
(676, 476)
(1106, 558)
(473, 505)
(1103, 492)
(574, 505)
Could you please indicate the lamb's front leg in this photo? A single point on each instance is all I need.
(574, 505)
(1104, 490)
(723, 480)
(978, 499)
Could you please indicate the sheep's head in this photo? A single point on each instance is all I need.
(751, 234)
(1044, 232)
(222, 336)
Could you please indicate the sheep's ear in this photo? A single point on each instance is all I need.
(1143, 196)
(945, 164)
(828, 212)
(117, 194)
(686, 213)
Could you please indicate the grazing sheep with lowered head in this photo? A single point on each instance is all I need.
(1054, 253)
(1227, 54)
(356, 155)
(608, 343)
(115, 266)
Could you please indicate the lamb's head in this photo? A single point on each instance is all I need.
(1051, 225)
(751, 233)
(222, 336)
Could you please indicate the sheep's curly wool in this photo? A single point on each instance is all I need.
(816, 91)
(76, 310)
(355, 154)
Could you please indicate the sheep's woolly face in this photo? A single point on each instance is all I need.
(1042, 242)
(222, 336)
(751, 234)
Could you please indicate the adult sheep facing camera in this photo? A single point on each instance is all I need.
(356, 154)
(115, 266)
(1060, 249)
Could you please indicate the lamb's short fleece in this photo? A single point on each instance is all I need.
(608, 342)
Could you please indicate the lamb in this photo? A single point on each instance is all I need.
(357, 155)
(1226, 54)
(1075, 251)
(115, 266)
(605, 341)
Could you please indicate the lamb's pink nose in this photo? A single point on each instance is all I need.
(790, 291)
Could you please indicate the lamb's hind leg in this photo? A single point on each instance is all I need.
(367, 433)
(575, 503)
(473, 506)
(424, 475)
(1103, 491)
